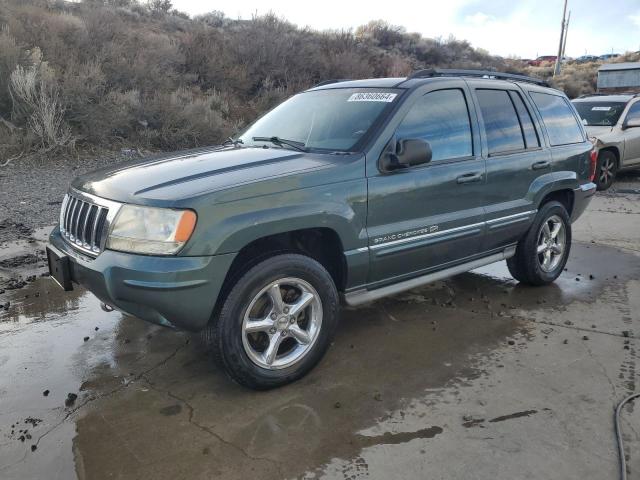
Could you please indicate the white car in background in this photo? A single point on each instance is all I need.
(614, 122)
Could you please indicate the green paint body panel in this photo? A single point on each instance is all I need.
(392, 226)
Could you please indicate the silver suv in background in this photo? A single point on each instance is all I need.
(614, 122)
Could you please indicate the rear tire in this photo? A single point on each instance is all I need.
(606, 170)
(543, 252)
(276, 323)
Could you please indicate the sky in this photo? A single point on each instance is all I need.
(521, 28)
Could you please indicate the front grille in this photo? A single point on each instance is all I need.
(82, 223)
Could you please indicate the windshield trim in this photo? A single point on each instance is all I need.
(360, 145)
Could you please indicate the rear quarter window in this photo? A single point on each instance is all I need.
(562, 125)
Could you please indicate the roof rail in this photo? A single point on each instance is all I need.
(594, 94)
(329, 82)
(602, 94)
(449, 72)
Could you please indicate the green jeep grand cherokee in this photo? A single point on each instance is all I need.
(349, 191)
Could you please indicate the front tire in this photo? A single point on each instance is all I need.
(606, 170)
(543, 252)
(277, 322)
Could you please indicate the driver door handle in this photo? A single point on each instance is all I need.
(469, 177)
(541, 165)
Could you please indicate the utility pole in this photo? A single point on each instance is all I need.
(566, 33)
(556, 70)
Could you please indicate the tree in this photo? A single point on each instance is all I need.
(160, 6)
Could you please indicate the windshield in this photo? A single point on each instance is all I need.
(335, 119)
(599, 113)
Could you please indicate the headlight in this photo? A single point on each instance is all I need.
(151, 230)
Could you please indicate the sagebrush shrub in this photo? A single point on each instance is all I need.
(117, 73)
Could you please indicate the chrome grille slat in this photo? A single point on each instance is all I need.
(84, 221)
(80, 222)
(95, 227)
(72, 220)
(63, 209)
(67, 219)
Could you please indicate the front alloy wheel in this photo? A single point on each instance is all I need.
(276, 322)
(282, 323)
(606, 171)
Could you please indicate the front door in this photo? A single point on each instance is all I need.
(632, 137)
(430, 216)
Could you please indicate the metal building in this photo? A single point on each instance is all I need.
(619, 77)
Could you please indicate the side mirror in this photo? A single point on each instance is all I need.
(631, 123)
(406, 153)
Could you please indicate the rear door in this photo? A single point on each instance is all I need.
(429, 216)
(515, 158)
(564, 131)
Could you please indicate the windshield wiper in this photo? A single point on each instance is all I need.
(232, 141)
(281, 142)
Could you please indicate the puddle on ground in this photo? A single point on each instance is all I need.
(150, 404)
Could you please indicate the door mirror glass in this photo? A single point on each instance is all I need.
(413, 151)
(406, 153)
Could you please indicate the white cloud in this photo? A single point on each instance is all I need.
(530, 28)
(479, 19)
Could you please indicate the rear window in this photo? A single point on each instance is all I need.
(599, 113)
(562, 125)
(500, 121)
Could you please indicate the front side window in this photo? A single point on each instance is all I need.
(325, 120)
(604, 114)
(634, 112)
(501, 122)
(442, 119)
(562, 126)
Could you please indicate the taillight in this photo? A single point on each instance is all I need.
(593, 157)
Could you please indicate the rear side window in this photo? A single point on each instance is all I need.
(562, 126)
(442, 119)
(528, 129)
(500, 121)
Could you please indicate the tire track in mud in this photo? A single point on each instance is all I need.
(627, 371)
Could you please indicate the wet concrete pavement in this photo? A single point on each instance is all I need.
(473, 377)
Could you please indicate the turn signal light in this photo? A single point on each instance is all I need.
(593, 157)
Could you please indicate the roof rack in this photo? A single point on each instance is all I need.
(329, 82)
(449, 72)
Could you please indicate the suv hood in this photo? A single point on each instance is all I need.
(597, 131)
(182, 175)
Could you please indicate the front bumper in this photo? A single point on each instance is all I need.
(173, 291)
(581, 198)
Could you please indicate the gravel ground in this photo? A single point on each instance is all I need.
(31, 190)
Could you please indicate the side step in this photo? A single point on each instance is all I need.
(360, 297)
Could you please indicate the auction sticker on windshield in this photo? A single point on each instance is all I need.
(372, 97)
(601, 109)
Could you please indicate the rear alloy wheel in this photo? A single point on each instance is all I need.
(277, 321)
(543, 252)
(551, 243)
(606, 170)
